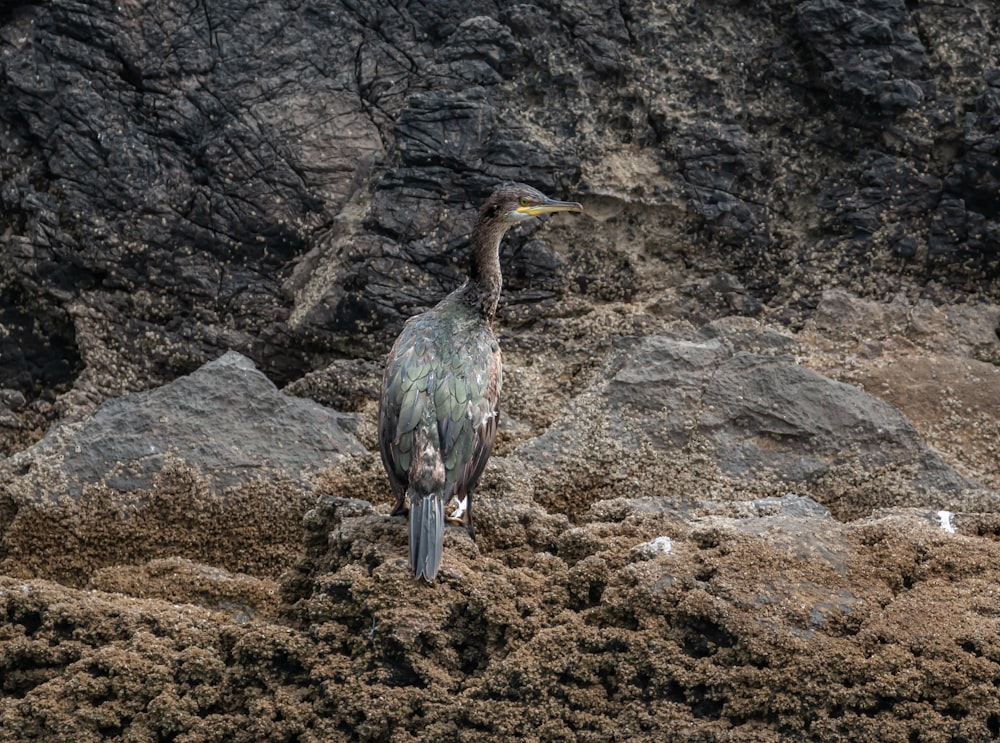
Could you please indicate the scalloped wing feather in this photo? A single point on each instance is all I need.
(446, 370)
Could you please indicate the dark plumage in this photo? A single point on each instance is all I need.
(441, 391)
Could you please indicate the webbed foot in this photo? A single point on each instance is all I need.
(462, 516)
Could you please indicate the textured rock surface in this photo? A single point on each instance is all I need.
(176, 455)
(763, 621)
(227, 420)
(170, 188)
(707, 517)
(730, 404)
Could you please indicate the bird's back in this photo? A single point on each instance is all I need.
(441, 389)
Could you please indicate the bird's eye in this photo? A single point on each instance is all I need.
(523, 201)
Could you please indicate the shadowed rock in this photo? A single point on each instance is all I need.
(865, 49)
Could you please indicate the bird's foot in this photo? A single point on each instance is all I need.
(401, 509)
(467, 526)
(460, 508)
(462, 516)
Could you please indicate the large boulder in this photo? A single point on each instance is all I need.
(226, 420)
(196, 466)
(726, 411)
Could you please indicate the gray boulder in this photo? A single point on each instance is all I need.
(731, 410)
(227, 421)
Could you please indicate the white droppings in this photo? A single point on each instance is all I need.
(946, 524)
(649, 550)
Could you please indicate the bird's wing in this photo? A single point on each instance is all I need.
(405, 397)
(467, 399)
(456, 382)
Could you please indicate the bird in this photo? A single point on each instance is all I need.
(440, 396)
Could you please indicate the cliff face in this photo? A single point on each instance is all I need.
(738, 392)
(291, 181)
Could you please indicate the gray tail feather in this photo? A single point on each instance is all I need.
(426, 535)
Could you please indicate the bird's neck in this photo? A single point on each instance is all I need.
(485, 278)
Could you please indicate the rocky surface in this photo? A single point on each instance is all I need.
(216, 455)
(226, 419)
(729, 406)
(746, 482)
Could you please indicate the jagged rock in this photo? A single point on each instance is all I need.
(721, 166)
(865, 50)
(182, 174)
(192, 194)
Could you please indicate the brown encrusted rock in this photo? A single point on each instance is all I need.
(240, 596)
(763, 620)
(729, 402)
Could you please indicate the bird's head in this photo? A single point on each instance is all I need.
(514, 202)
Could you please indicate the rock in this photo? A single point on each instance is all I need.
(193, 468)
(292, 181)
(955, 331)
(192, 194)
(344, 384)
(865, 49)
(951, 401)
(795, 523)
(179, 182)
(239, 596)
(745, 627)
(744, 419)
(720, 166)
(226, 420)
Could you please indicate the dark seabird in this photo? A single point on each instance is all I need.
(441, 391)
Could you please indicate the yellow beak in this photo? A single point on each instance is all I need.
(549, 207)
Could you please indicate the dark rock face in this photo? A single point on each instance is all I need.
(161, 174)
(292, 182)
(866, 50)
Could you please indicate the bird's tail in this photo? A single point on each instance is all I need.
(426, 535)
